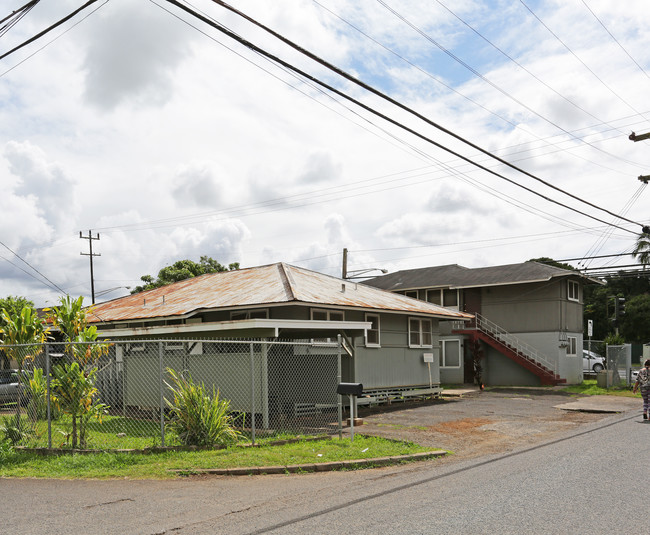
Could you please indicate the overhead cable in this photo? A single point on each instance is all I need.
(52, 284)
(382, 95)
(48, 29)
(15, 16)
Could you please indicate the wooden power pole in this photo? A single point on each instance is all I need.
(90, 239)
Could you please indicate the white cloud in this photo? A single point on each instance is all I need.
(173, 143)
(132, 57)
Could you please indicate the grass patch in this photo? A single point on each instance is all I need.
(590, 387)
(158, 466)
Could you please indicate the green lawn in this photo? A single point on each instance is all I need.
(590, 387)
(159, 465)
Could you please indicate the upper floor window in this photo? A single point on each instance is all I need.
(573, 291)
(411, 293)
(372, 334)
(433, 296)
(450, 298)
(420, 332)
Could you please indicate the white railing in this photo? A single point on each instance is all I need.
(501, 335)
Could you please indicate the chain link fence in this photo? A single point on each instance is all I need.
(118, 395)
(613, 363)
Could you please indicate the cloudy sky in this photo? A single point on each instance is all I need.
(143, 124)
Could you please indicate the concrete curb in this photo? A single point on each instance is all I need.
(312, 467)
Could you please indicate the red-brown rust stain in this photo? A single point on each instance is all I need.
(460, 426)
(274, 284)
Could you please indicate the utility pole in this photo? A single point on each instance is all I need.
(642, 178)
(344, 273)
(90, 239)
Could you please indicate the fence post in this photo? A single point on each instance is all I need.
(338, 396)
(162, 396)
(252, 394)
(49, 411)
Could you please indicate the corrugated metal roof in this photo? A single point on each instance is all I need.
(455, 276)
(274, 284)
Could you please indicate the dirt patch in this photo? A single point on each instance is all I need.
(483, 424)
(460, 426)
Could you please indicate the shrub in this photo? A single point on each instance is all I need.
(199, 418)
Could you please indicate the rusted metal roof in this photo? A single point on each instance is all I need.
(274, 284)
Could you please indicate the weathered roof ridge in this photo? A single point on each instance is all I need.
(287, 280)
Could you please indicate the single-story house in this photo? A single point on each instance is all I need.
(528, 325)
(390, 341)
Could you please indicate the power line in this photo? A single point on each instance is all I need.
(52, 40)
(478, 104)
(382, 95)
(52, 285)
(16, 16)
(615, 40)
(580, 60)
(48, 29)
(490, 82)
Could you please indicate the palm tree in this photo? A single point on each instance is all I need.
(642, 249)
(24, 334)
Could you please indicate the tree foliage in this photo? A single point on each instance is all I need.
(549, 261)
(181, 270)
(13, 304)
(642, 248)
(22, 334)
(71, 319)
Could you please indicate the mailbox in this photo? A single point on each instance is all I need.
(349, 389)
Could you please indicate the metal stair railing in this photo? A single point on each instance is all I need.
(501, 335)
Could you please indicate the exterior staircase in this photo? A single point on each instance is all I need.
(510, 346)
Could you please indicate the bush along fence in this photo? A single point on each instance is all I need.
(148, 393)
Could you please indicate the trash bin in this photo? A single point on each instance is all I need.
(604, 378)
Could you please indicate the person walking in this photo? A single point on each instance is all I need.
(643, 380)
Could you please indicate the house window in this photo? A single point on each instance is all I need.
(450, 298)
(573, 291)
(326, 315)
(411, 293)
(419, 332)
(261, 313)
(433, 296)
(372, 334)
(450, 354)
(572, 346)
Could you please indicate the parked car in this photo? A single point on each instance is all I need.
(592, 362)
(9, 386)
(633, 375)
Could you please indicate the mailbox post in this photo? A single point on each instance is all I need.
(352, 390)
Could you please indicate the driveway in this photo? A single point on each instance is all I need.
(491, 421)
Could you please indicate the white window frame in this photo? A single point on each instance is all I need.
(447, 292)
(328, 317)
(369, 317)
(411, 293)
(572, 346)
(443, 353)
(420, 331)
(573, 291)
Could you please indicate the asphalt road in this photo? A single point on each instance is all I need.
(590, 480)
